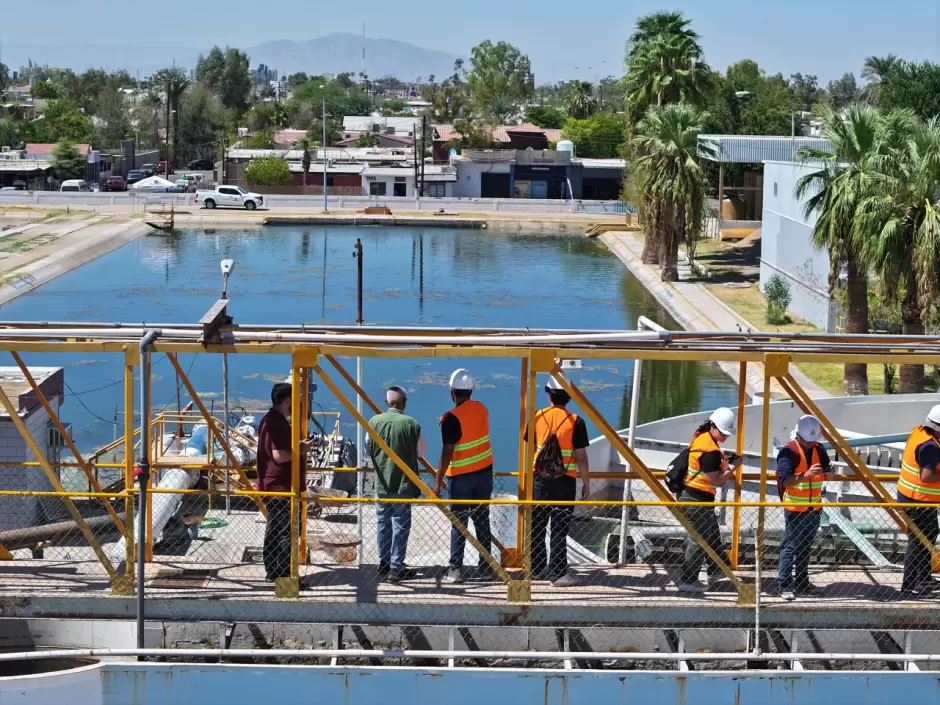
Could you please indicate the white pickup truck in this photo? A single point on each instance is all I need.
(229, 197)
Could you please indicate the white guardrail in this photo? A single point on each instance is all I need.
(274, 201)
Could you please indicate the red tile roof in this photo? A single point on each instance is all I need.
(37, 148)
(502, 133)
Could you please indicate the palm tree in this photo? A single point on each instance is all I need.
(875, 70)
(903, 214)
(581, 100)
(666, 151)
(664, 63)
(833, 192)
(305, 144)
(174, 83)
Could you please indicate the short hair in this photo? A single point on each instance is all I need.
(280, 392)
(558, 396)
(462, 393)
(395, 392)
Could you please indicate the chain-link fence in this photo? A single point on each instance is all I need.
(620, 565)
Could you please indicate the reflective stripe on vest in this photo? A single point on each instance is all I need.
(803, 494)
(909, 483)
(561, 422)
(473, 452)
(696, 478)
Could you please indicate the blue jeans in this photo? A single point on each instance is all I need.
(796, 547)
(393, 528)
(474, 485)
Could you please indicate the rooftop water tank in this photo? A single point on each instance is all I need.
(565, 146)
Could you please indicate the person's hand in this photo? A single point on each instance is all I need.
(305, 445)
(738, 462)
(585, 490)
(438, 485)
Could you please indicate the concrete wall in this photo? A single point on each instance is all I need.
(21, 512)
(128, 683)
(786, 247)
(468, 176)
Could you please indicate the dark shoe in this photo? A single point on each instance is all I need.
(485, 573)
(397, 576)
(383, 570)
(924, 588)
(808, 589)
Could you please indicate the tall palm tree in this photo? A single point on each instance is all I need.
(903, 213)
(664, 63)
(875, 70)
(666, 152)
(833, 192)
(305, 144)
(581, 101)
(173, 82)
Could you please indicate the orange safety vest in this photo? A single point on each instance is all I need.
(473, 452)
(803, 495)
(561, 422)
(909, 482)
(696, 478)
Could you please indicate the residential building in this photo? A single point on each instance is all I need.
(355, 125)
(520, 136)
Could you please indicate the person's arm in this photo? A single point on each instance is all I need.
(580, 441)
(927, 458)
(825, 465)
(450, 436)
(712, 471)
(786, 467)
(281, 445)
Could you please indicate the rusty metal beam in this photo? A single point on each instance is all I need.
(239, 470)
(77, 517)
(54, 417)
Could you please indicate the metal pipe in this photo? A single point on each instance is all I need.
(500, 341)
(225, 411)
(445, 654)
(30, 536)
(144, 478)
(119, 333)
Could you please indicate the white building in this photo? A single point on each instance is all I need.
(787, 250)
(355, 125)
(399, 181)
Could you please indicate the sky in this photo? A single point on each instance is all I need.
(562, 38)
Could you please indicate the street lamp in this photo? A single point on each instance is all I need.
(227, 266)
(326, 207)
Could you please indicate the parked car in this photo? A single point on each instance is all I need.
(115, 183)
(201, 164)
(135, 175)
(161, 166)
(149, 169)
(19, 185)
(74, 185)
(229, 197)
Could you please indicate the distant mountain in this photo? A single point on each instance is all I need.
(334, 53)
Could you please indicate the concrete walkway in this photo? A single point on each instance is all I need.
(695, 309)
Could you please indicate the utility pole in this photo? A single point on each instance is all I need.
(424, 133)
(326, 206)
(415, 151)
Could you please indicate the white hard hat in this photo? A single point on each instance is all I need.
(933, 418)
(461, 379)
(553, 383)
(809, 429)
(724, 421)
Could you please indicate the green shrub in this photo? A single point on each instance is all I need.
(777, 293)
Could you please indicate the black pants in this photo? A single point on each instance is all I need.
(917, 559)
(277, 538)
(562, 490)
(705, 522)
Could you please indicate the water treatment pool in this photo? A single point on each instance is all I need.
(292, 275)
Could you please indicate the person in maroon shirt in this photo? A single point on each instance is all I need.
(274, 475)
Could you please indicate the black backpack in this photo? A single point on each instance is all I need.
(549, 463)
(676, 472)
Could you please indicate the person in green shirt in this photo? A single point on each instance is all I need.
(403, 435)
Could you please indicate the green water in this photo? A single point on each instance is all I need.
(412, 277)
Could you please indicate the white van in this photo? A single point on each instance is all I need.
(74, 185)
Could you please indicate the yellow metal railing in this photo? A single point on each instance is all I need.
(514, 566)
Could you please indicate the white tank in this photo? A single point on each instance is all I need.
(565, 146)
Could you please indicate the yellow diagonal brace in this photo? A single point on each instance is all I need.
(56, 485)
(412, 475)
(239, 470)
(644, 472)
(372, 405)
(865, 475)
(54, 417)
